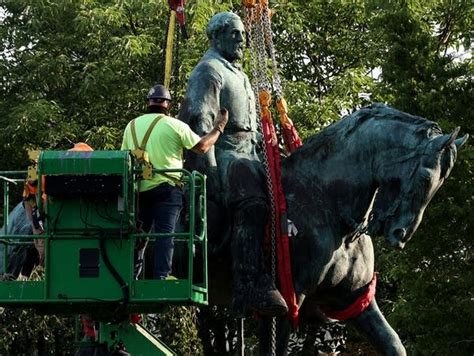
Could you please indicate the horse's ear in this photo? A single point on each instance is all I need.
(461, 141)
(443, 141)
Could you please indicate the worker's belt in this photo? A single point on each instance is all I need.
(177, 182)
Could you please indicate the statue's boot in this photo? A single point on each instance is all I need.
(253, 288)
(266, 299)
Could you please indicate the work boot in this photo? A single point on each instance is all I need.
(266, 299)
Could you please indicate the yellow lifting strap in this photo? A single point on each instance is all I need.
(169, 49)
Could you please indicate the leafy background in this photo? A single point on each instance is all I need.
(78, 70)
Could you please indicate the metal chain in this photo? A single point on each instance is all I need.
(260, 81)
(263, 83)
(267, 28)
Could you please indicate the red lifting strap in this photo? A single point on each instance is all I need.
(356, 308)
(178, 6)
(291, 138)
(284, 272)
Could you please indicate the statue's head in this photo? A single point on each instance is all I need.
(226, 34)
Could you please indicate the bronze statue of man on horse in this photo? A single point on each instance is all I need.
(372, 173)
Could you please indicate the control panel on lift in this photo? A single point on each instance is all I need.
(88, 203)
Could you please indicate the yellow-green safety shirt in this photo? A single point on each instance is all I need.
(164, 147)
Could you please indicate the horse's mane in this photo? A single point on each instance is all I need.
(330, 139)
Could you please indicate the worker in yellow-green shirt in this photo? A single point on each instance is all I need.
(164, 138)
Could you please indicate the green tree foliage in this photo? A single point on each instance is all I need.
(24, 332)
(423, 73)
(78, 70)
(176, 327)
(323, 50)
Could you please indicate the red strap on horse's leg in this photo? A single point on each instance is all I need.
(356, 308)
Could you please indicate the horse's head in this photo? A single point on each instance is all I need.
(408, 184)
(403, 158)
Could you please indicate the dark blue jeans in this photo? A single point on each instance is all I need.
(159, 208)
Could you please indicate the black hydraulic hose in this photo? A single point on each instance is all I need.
(125, 288)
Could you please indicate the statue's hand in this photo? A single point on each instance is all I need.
(221, 120)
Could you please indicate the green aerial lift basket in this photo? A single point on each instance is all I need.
(90, 238)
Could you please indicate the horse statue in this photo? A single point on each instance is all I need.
(371, 173)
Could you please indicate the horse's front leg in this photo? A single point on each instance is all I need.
(378, 331)
(283, 329)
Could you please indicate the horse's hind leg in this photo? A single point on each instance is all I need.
(283, 330)
(377, 330)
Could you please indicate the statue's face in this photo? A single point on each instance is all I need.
(230, 43)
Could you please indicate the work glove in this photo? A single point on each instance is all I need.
(221, 120)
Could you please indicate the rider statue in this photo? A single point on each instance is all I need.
(235, 173)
